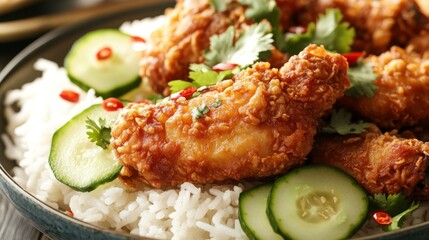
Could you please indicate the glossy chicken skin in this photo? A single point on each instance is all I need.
(381, 163)
(264, 125)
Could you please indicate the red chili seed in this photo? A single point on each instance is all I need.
(70, 95)
(353, 57)
(112, 104)
(224, 66)
(104, 53)
(382, 217)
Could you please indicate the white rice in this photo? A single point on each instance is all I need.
(191, 212)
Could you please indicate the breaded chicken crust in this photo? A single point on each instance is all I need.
(378, 24)
(185, 37)
(264, 125)
(403, 90)
(381, 163)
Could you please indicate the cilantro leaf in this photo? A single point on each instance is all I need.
(362, 79)
(328, 31)
(154, 97)
(391, 203)
(100, 133)
(245, 51)
(220, 5)
(200, 111)
(177, 85)
(398, 220)
(262, 9)
(341, 123)
(202, 76)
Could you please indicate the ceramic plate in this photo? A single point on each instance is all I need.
(54, 46)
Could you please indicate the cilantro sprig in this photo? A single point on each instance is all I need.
(98, 133)
(362, 80)
(201, 76)
(258, 10)
(397, 205)
(341, 123)
(248, 48)
(328, 31)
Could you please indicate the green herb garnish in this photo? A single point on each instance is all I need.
(200, 111)
(98, 133)
(202, 76)
(362, 80)
(341, 123)
(220, 5)
(217, 103)
(397, 205)
(258, 10)
(251, 43)
(328, 31)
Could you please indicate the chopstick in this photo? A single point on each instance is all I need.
(20, 29)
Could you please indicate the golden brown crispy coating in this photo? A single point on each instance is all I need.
(182, 39)
(264, 125)
(381, 163)
(402, 98)
(379, 24)
(185, 37)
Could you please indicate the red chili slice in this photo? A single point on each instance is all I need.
(112, 104)
(186, 93)
(382, 218)
(104, 53)
(224, 66)
(138, 39)
(70, 95)
(353, 57)
(70, 213)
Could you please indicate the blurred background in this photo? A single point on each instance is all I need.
(22, 21)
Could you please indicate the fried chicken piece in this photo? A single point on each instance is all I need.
(185, 37)
(403, 90)
(381, 163)
(379, 24)
(264, 125)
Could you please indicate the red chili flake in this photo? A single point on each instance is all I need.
(70, 213)
(297, 29)
(104, 53)
(112, 104)
(382, 217)
(70, 95)
(224, 66)
(353, 57)
(186, 93)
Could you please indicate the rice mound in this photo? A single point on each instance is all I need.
(190, 212)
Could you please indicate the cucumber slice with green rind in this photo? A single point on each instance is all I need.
(317, 202)
(78, 162)
(252, 214)
(111, 77)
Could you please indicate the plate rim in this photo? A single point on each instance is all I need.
(41, 43)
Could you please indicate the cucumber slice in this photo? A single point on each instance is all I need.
(78, 162)
(317, 202)
(111, 77)
(252, 214)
